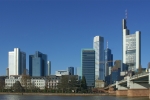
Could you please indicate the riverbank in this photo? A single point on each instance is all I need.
(57, 94)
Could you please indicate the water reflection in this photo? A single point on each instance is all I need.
(31, 97)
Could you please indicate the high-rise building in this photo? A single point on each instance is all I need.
(38, 64)
(108, 60)
(49, 67)
(78, 72)
(61, 72)
(88, 66)
(131, 49)
(98, 46)
(16, 62)
(71, 70)
(27, 72)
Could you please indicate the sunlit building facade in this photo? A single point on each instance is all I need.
(98, 45)
(131, 49)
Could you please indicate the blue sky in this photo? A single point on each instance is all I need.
(61, 28)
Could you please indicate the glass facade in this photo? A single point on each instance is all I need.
(108, 60)
(71, 70)
(98, 46)
(38, 64)
(78, 72)
(88, 66)
(131, 51)
(115, 75)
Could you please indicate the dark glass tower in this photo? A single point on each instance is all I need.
(88, 66)
(38, 64)
(71, 70)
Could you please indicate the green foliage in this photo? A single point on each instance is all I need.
(83, 83)
(17, 87)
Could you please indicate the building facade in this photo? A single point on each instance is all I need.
(78, 72)
(108, 60)
(88, 66)
(61, 72)
(71, 70)
(98, 46)
(16, 62)
(49, 67)
(131, 49)
(38, 64)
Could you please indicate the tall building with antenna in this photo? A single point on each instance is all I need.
(108, 60)
(131, 48)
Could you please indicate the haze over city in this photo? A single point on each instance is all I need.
(61, 29)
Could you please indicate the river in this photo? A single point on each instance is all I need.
(38, 97)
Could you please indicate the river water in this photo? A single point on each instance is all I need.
(31, 97)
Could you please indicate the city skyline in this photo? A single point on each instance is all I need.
(58, 30)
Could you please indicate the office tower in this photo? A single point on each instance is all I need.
(115, 72)
(131, 49)
(16, 62)
(78, 72)
(49, 67)
(27, 72)
(98, 46)
(71, 70)
(88, 66)
(108, 60)
(38, 64)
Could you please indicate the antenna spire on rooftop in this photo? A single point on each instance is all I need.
(107, 44)
(126, 14)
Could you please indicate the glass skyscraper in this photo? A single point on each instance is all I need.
(108, 60)
(71, 70)
(88, 66)
(38, 64)
(78, 72)
(98, 46)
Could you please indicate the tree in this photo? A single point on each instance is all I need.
(83, 83)
(17, 87)
(47, 84)
(25, 80)
(2, 84)
(73, 83)
(63, 84)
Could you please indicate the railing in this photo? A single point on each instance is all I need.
(138, 75)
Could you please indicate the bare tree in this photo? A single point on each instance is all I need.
(17, 87)
(25, 80)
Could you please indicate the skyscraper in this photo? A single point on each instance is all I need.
(49, 67)
(108, 60)
(78, 72)
(71, 70)
(131, 49)
(38, 64)
(16, 62)
(98, 46)
(88, 66)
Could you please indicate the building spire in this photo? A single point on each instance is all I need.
(107, 44)
(126, 14)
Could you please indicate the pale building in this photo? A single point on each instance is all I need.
(16, 62)
(61, 72)
(98, 45)
(49, 67)
(131, 49)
